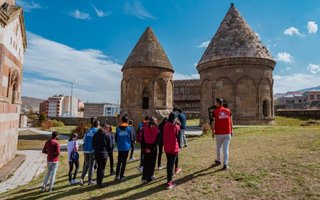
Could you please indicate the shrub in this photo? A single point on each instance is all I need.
(206, 129)
(56, 123)
(46, 125)
(81, 129)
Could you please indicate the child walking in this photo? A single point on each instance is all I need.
(73, 158)
(171, 146)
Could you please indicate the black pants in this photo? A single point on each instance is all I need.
(149, 164)
(171, 159)
(122, 162)
(101, 160)
(160, 154)
(132, 149)
(110, 154)
(176, 163)
(141, 158)
(71, 163)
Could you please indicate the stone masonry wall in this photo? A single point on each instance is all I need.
(74, 121)
(306, 114)
(9, 121)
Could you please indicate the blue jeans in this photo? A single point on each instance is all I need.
(225, 141)
(52, 171)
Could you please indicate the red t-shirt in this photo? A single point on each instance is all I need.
(222, 120)
(170, 141)
(52, 149)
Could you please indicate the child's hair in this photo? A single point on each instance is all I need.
(73, 136)
(152, 121)
(172, 117)
(125, 119)
(130, 122)
(54, 134)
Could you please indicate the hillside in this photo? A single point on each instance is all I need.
(31, 103)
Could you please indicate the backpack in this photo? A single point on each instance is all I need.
(74, 155)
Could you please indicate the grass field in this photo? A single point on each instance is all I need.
(276, 162)
(29, 140)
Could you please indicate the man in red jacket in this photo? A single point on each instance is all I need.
(52, 149)
(222, 129)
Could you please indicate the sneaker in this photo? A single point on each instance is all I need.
(140, 169)
(50, 189)
(122, 178)
(144, 181)
(116, 178)
(217, 162)
(132, 159)
(170, 185)
(70, 182)
(160, 167)
(43, 189)
(81, 183)
(178, 170)
(153, 178)
(112, 173)
(92, 183)
(74, 181)
(225, 167)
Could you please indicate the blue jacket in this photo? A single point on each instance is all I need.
(123, 137)
(183, 120)
(88, 140)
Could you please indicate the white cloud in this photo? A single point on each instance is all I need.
(204, 44)
(50, 67)
(257, 34)
(284, 57)
(178, 76)
(295, 82)
(100, 13)
(79, 15)
(28, 6)
(136, 8)
(288, 68)
(292, 31)
(313, 68)
(312, 27)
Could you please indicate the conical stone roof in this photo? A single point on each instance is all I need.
(234, 38)
(148, 52)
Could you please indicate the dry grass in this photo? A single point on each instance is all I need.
(279, 162)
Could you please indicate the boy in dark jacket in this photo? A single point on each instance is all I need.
(133, 140)
(101, 145)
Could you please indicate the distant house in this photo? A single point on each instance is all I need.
(100, 109)
(299, 100)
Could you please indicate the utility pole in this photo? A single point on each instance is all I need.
(71, 113)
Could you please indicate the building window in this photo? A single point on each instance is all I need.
(318, 96)
(311, 97)
(145, 103)
(265, 109)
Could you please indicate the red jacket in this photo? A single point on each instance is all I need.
(52, 149)
(222, 120)
(170, 141)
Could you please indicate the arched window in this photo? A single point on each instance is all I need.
(145, 98)
(265, 109)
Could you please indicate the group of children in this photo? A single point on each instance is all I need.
(98, 145)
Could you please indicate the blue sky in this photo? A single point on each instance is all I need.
(87, 42)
